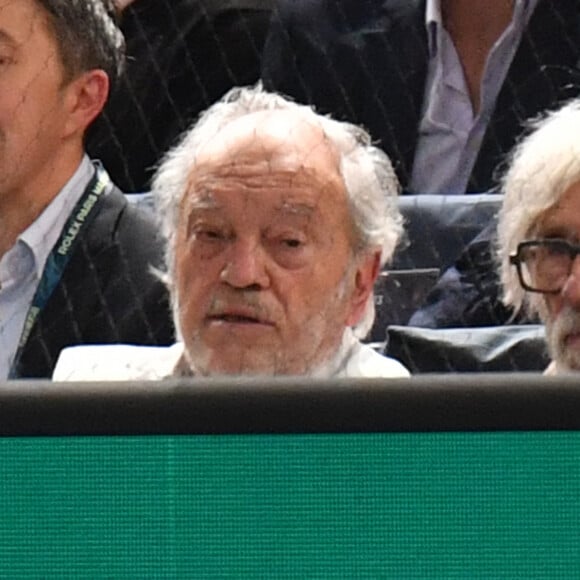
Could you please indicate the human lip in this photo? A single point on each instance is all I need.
(238, 316)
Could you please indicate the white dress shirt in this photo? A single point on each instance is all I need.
(450, 134)
(22, 266)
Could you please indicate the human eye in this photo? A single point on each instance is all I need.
(556, 248)
(546, 249)
(292, 242)
(290, 249)
(552, 260)
(207, 240)
(206, 232)
(209, 234)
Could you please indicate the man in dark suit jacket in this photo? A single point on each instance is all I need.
(183, 55)
(367, 61)
(108, 293)
(75, 258)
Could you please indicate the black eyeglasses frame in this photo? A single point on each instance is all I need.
(516, 260)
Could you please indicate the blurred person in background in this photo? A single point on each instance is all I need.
(443, 85)
(539, 232)
(277, 222)
(183, 55)
(74, 256)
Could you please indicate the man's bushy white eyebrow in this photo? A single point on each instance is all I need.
(297, 208)
(205, 200)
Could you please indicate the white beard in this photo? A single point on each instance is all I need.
(566, 323)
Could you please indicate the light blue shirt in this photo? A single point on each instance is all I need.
(22, 266)
(450, 135)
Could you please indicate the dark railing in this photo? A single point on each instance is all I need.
(454, 402)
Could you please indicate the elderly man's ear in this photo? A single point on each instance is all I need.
(86, 97)
(365, 276)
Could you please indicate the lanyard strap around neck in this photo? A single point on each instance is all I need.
(81, 216)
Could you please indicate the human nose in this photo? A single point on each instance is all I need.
(245, 266)
(571, 288)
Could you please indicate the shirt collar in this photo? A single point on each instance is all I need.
(43, 233)
(434, 19)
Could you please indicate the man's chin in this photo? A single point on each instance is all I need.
(255, 362)
(233, 369)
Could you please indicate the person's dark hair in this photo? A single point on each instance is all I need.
(88, 36)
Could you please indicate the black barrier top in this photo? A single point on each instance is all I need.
(484, 402)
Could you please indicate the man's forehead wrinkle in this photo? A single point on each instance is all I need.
(259, 172)
(304, 172)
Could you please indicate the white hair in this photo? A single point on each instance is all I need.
(543, 166)
(370, 181)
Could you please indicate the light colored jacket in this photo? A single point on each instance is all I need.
(121, 362)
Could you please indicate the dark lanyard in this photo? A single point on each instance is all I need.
(81, 216)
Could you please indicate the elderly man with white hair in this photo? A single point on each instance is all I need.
(539, 232)
(277, 222)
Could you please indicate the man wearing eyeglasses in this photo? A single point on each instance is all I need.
(539, 232)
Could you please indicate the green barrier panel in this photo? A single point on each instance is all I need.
(381, 505)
